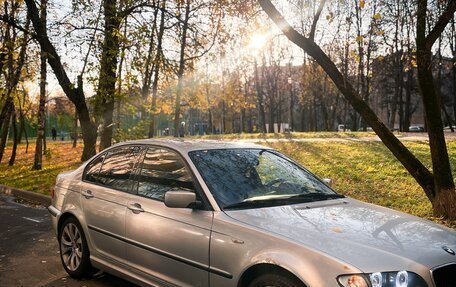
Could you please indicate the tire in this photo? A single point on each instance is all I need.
(275, 280)
(74, 252)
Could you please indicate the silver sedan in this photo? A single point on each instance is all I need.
(207, 213)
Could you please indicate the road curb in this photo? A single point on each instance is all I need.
(41, 199)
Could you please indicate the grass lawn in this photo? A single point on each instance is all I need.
(59, 157)
(362, 170)
(369, 172)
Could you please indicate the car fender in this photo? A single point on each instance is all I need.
(236, 247)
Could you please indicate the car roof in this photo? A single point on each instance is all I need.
(187, 145)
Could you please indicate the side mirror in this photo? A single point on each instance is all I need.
(181, 199)
(327, 181)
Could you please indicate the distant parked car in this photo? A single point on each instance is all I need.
(368, 129)
(341, 128)
(416, 129)
(194, 213)
(448, 129)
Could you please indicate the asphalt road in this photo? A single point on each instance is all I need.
(29, 253)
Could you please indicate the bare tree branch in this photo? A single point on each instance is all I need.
(7, 19)
(444, 19)
(315, 20)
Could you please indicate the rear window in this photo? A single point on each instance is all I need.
(114, 168)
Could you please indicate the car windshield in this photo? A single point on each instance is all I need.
(252, 178)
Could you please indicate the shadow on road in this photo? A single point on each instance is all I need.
(103, 280)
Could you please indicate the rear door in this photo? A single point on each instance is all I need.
(167, 244)
(105, 194)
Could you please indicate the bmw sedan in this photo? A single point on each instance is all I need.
(208, 213)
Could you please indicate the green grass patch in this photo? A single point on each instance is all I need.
(368, 171)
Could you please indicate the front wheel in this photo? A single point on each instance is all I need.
(74, 251)
(275, 280)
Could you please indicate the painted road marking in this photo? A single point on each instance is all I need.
(31, 219)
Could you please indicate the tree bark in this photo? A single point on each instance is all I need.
(15, 138)
(157, 66)
(408, 88)
(5, 128)
(119, 80)
(75, 129)
(149, 64)
(181, 70)
(408, 99)
(108, 68)
(444, 199)
(38, 159)
(259, 92)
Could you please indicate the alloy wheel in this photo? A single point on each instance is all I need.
(71, 246)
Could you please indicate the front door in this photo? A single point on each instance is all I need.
(170, 245)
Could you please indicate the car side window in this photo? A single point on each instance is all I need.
(117, 168)
(162, 170)
(93, 169)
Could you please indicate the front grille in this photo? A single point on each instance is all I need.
(445, 276)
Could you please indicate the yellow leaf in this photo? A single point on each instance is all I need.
(362, 3)
(377, 16)
(360, 38)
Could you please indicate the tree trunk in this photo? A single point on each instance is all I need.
(88, 128)
(38, 159)
(259, 90)
(408, 99)
(211, 126)
(157, 65)
(25, 134)
(444, 197)
(149, 64)
(119, 81)
(22, 130)
(180, 72)
(292, 103)
(105, 97)
(408, 87)
(75, 129)
(401, 94)
(223, 119)
(15, 138)
(394, 100)
(5, 129)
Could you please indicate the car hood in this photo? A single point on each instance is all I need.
(366, 236)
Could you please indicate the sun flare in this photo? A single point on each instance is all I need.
(257, 41)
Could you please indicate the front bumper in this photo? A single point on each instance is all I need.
(55, 217)
(54, 211)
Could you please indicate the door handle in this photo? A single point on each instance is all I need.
(87, 194)
(135, 207)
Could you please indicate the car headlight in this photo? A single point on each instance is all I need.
(382, 279)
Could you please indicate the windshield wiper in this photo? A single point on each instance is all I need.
(315, 196)
(255, 203)
(297, 198)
